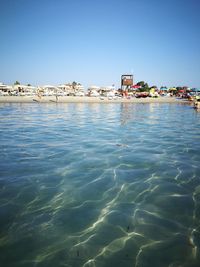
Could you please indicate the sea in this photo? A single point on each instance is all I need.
(99, 185)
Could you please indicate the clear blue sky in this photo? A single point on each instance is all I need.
(96, 41)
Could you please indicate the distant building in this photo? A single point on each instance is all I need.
(126, 81)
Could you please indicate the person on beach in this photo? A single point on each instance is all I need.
(197, 105)
(39, 94)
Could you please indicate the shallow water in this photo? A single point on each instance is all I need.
(99, 185)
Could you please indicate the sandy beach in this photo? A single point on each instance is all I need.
(86, 99)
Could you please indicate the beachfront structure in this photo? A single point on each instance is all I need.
(103, 90)
(93, 90)
(45, 90)
(126, 81)
(18, 89)
(108, 90)
(72, 90)
(60, 90)
(3, 86)
(65, 88)
(79, 90)
(51, 90)
(5, 89)
(23, 90)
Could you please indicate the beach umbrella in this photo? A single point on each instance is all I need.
(2, 86)
(195, 89)
(135, 86)
(93, 88)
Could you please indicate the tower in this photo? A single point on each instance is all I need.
(126, 81)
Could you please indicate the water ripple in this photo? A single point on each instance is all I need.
(99, 185)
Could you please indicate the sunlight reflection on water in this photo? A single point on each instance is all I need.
(99, 185)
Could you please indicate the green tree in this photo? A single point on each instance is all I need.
(141, 83)
(144, 86)
(28, 84)
(17, 83)
(74, 84)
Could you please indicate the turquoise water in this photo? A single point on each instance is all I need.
(99, 185)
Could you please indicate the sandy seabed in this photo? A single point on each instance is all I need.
(86, 99)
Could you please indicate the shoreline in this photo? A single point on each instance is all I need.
(86, 99)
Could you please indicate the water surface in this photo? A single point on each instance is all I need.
(99, 185)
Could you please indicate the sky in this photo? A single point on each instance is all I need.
(94, 42)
